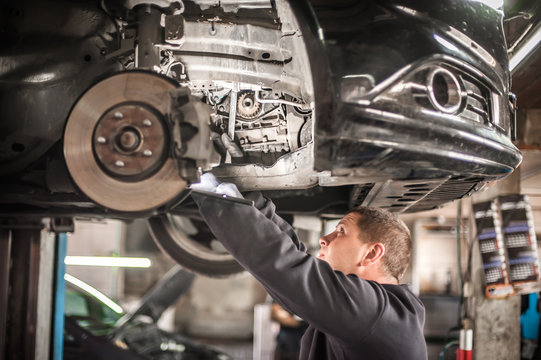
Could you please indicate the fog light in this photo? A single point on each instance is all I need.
(444, 91)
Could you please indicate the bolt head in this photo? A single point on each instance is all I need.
(147, 153)
(118, 115)
(147, 122)
(248, 102)
(101, 140)
(129, 140)
(119, 163)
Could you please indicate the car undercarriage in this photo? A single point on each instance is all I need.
(112, 108)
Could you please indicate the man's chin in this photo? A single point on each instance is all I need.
(322, 257)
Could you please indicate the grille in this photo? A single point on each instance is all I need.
(359, 193)
(454, 188)
(410, 196)
(477, 102)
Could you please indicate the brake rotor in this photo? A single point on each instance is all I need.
(116, 143)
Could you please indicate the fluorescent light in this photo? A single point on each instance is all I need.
(89, 289)
(525, 49)
(108, 261)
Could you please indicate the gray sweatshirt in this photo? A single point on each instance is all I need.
(349, 318)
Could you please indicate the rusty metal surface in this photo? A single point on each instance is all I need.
(146, 89)
(130, 142)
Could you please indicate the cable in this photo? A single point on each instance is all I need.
(446, 347)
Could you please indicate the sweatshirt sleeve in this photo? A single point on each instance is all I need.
(267, 247)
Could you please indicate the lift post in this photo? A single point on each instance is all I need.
(5, 251)
(30, 289)
(19, 288)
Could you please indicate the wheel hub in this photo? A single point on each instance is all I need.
(130, 142)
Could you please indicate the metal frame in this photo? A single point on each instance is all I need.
(23, 295)
(5, 251)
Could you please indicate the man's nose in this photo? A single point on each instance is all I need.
(325, 240)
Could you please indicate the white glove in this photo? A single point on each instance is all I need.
(209, 183)
(229, 189)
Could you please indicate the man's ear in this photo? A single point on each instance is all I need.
(375, 253)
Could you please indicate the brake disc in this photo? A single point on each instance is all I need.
(116, 143)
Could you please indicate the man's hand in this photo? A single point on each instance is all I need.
(209, 183)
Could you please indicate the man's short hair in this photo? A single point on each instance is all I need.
(378, 225)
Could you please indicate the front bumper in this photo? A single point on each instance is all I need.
(418, 125)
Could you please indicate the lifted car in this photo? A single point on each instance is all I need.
(112, 108)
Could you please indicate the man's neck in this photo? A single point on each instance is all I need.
(390, 281)
(377, 275)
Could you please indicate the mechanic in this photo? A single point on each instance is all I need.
(292, 328)
(349, 295)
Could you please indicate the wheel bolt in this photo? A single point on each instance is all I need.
(119, 163)
(147, 153)
(128, 140)
(118, 115)
(147, 122)
(101, 140)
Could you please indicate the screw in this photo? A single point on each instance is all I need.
(212, 30)
(147, 122)
(119, 163)
(101, 140)
(118, 115)
(248, 103)
(147, 153)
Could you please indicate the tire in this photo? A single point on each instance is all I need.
(191, 244)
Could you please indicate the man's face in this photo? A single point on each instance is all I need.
(343, 248)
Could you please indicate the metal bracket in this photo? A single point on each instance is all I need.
(174, 29)
(513, 115)
(62, 225)
(191, 144)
